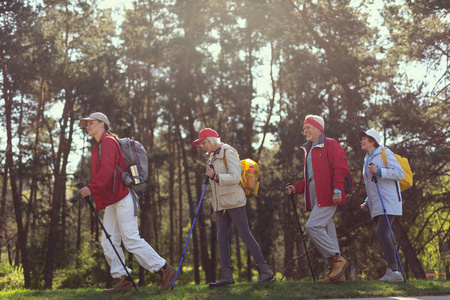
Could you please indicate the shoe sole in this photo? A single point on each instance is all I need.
(328, 280)
(120, 291)
(220, 285)
(268, 280)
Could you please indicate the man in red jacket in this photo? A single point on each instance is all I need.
(325, 169)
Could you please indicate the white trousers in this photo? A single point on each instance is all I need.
(122, 225)
(320, 226)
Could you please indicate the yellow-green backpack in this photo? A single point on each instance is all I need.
(249, 175)
(407, 182)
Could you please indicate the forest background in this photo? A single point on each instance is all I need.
(252, 70)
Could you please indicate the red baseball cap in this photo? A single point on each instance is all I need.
(204, 134)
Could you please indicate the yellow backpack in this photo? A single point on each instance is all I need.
(407, 182)
(249, 175)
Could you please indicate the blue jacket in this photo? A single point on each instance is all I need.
(387, 183)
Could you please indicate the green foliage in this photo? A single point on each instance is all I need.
(434, 258)
(87, 269)
(11, 277)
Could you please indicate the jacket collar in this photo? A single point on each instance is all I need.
(378, 150)
(308, 144)
(219, 153)
(102, 137)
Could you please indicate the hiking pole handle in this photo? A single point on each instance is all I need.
(206, 180)
(80, 185)
(374, 176)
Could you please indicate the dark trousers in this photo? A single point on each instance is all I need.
(384, 235)
(237, 216)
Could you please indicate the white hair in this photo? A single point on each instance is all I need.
(316, 118)
(213, 140)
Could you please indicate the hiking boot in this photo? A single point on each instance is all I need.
(328, 280)
(265, 275)
(226, 277)
(167, 277)
(391, 276)
(338, 265)
(124, 285)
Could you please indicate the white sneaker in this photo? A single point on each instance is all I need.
(391, 276)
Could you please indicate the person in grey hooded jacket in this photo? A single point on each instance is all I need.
(388, 183)
(228, 203)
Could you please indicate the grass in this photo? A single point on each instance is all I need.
(247, 291)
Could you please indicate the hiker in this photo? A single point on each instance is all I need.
(325, 169)
(228, 203)
(120, 219)
(387, 182)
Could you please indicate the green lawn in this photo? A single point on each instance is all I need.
(247, 291)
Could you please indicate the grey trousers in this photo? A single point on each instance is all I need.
(320, 226)
(384, 234)
(237, 216)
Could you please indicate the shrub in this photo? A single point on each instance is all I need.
(11, 277)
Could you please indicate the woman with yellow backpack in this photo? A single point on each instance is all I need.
(228, 203)
(382, 173)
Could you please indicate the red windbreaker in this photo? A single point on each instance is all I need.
(106, 186)
(330, 168)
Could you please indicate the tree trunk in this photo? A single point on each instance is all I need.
(172, 208)
(408, 250)
(35, 164)
(180, 200)
(192, 208)
(3, 218)
(213, 249)
(206, 263)
(288, 242)
(61, 160)
(17, 199)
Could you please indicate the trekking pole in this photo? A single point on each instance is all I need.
(190, 232)
(301, 232)
(374, 178)
(88, 199)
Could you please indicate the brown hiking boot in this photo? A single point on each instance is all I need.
(338, 265)
(328, 280)
(167, 277)
(124, 285)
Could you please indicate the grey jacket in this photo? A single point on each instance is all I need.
(387, 183)
(227, 193)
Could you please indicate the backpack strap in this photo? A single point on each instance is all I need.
(99, 153)
(226, 165)
(225, 158)
(133, 193)
(346, 176)
(383, 157)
